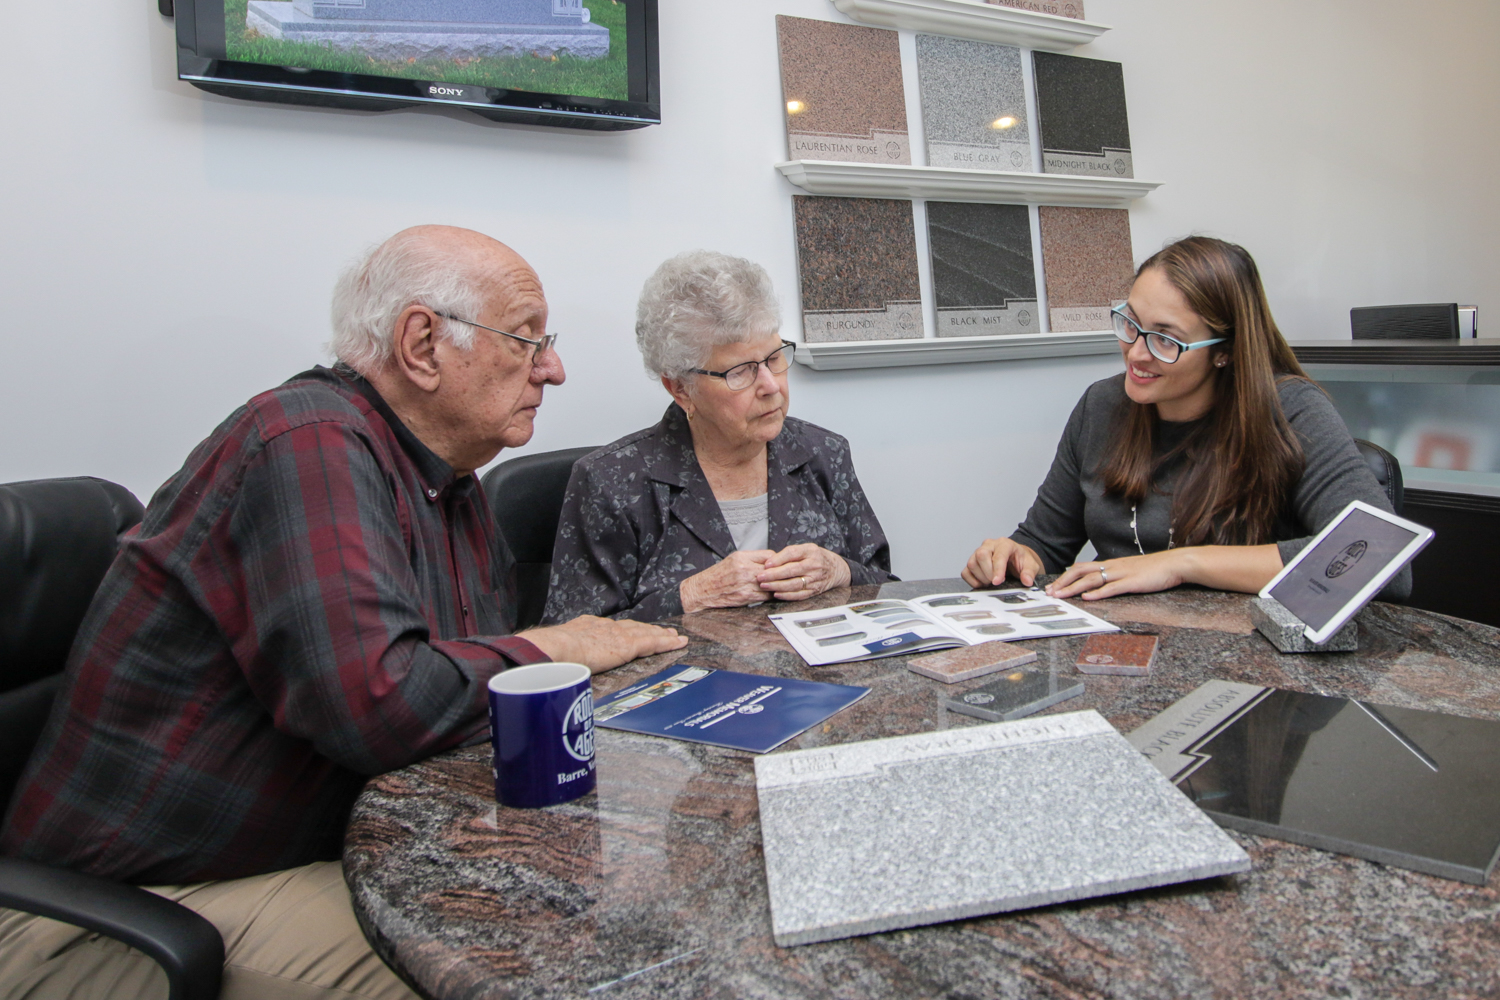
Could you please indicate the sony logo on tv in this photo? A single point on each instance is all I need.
(453, 91)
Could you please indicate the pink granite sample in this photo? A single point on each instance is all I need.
(967, 662)
(1086, 260)
(843, 92)
(857, 259)
(1118, 653)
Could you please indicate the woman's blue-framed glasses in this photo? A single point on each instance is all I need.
(1162, 347)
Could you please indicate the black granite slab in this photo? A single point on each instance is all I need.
(654, 886)
(1081, 115)
(983, 272)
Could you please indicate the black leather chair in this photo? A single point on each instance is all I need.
(526, 495)
(57, 537)
(1387, 471)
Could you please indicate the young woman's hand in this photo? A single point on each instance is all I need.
(999, 557)
(1100, 578)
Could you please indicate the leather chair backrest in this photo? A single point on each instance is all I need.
(526, 496)
(57, 537)
(1387, 471)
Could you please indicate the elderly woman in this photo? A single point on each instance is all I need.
(727, 501)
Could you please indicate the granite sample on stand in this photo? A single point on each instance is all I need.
(983, 273)
(916, 830)
(973, 104)
(1086, 262)
(1060, 8)
(843, 91)
(1080, 107)
(410, 30)
(1288, 633)
(653, 888)
(857, 259)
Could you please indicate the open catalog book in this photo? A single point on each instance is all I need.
(940, 621)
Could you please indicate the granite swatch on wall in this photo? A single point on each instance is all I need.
(973, 104)
(857, 260)
(1086, 262)
(843, 92)
(1062, 8)
(1081, 116)
(983, 273)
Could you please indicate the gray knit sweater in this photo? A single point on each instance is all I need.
(1071, 507)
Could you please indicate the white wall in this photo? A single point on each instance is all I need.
(167, 254)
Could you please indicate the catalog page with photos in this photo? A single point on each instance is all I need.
(940, 621)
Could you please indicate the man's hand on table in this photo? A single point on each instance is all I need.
(603, 643)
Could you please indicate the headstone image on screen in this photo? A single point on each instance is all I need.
(1339, 566)
(843, 91)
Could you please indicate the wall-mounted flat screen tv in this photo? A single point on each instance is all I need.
(572, 63)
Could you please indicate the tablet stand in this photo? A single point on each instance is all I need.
(1288, 633)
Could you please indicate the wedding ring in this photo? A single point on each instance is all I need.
(1103, 575)
(804, 582)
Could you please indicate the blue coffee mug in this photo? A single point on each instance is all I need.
(542, 728)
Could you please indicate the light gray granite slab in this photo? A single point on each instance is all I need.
(973, 104)
(915, 830)
(1288, 633)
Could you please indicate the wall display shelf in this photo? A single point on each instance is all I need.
(980, 21)
(953, 350)
(894, 180)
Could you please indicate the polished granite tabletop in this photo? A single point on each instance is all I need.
(654, 886)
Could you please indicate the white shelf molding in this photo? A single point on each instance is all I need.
(895, 180)
(980, 21)
(953, 350)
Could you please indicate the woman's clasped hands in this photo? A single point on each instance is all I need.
(795, 573)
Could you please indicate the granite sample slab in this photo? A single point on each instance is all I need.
(857, 260)
(1061, 8)
(1080, 106)
(915, 830)
(973, 104)
(1119, 654)
(1015, 695)
(1404, 787)
(983, 273)
(968, 662)
(843, 91)
(1287, 632)
(1086, 262)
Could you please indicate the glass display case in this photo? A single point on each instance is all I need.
(1435, 405)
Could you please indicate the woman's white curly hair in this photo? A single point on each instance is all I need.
(697, 301)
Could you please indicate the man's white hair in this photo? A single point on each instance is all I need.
(407, 269)
(697, 301)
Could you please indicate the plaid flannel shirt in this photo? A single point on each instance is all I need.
(313, 599)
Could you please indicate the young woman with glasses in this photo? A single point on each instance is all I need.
(1211, 459)
(727, 501)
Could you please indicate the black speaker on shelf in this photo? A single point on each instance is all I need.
(1430, 321)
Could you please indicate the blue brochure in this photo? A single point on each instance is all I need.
(724, 708)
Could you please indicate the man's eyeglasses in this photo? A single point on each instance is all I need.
(744, 376)
(1162, 347)
(541, 345)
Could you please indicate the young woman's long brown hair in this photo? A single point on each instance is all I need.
(1243, 464)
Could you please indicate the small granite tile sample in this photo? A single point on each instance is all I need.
(983, 273)
(1080, 106)
(968, 662)
(1119, 653)
(1287, 632)
(1062, 8)
(857, 258)
(973, 104)
(843, 92)
(1086, 262)
(915, 830)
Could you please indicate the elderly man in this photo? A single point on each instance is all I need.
(317, 596)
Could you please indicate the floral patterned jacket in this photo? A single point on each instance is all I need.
(639, 518)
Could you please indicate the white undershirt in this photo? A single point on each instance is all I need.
(749, 522)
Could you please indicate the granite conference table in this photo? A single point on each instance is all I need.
(654, 886)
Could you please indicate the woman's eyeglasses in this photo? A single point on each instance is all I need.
(1162, 347)
(541, 345)
(744, 376)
